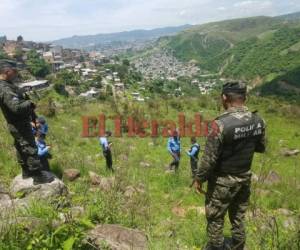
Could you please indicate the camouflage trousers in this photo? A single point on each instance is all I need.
(227, 194)
(27, 153)
(194, 166)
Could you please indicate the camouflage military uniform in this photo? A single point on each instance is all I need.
(17, 111)
(226, 166)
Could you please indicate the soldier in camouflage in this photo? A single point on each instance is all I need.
(17, 110)
(237, 135)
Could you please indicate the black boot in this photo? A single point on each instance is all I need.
(43, 177)
(211, 247)
(26, 174)
(237, 244)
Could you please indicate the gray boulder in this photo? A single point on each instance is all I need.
(21, 188)
(117, 238)
(23, 191)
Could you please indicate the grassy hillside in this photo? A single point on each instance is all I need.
(257, 49)
(205, 42)
(286, 86)
(167, 211)
(277, 53)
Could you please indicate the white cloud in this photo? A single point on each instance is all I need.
(244, 3)
(221, 8)
(49, 19)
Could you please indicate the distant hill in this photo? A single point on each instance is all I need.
(127, 36)
(287, 86)
(204, 42)
(290, 17)
(257, 49)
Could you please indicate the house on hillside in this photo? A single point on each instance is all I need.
(92, 93)
(34, 85)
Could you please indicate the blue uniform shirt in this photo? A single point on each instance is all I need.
(194, 150)
(104, 143)
(174, 145)
(42, 148)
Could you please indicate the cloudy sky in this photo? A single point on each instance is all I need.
(44, 20)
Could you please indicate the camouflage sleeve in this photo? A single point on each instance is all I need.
(211, 153)
(15, 104)
(261, 144)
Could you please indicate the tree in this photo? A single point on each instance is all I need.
(37, 65)
(19, 39)
(3, 55)
(66, 77)
(126, 62)
(18, 54)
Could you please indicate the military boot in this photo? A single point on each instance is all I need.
(237, 244)
(26, 174)
(43, 177)
(211, 247)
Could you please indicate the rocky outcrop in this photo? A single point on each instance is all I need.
(24, 188)
(23, 191)
(117, 238)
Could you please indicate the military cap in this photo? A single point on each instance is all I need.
(5, 63)
(234, 87)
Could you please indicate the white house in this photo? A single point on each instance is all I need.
(34, 85)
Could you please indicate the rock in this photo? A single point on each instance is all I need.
(4, 196)
(29, 224)
(117, 238)
(145, 164)
(74, 212)
(272, 178)
(289, 152)
(290, 223)
(94, 178)
(22, 188)
(254, 178)
(179, 211)
(107, 184)
(77, 211)
(5, 205)
(284, 211)
(131, 191)
(71, 174)
(104, 183)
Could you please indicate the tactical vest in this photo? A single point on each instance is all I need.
(12, 118)
(197, 152)
(240, 138)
